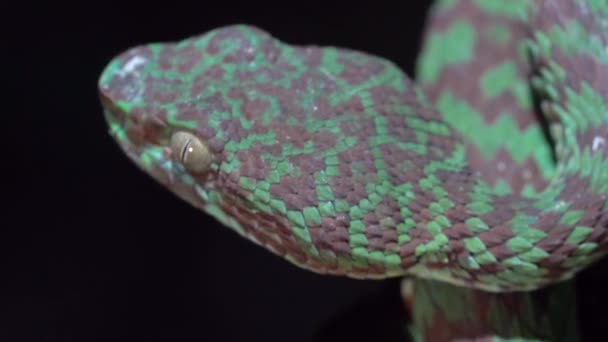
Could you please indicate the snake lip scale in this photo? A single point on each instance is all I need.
(336, 161)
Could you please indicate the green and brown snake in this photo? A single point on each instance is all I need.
(483, 181)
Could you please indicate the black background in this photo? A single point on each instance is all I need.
(97, 251)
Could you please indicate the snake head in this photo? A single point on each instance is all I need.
(155, 125)
(283, 144)
(180, 109)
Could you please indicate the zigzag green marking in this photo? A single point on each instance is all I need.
(454, 46)
(502, 133)
(498, 79)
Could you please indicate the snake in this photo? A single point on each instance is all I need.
(482, 179)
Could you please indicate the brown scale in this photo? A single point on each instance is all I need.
(457, 232)
(382, 237)
(323, 140)
(308, 166)
(330, 236)
(286, 190)
(490, 239)
(253, 108)
(351, 105)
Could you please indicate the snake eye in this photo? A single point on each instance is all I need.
(191, 152)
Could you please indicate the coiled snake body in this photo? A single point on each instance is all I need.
(338, 162)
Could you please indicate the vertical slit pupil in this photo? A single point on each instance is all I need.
(185, 150)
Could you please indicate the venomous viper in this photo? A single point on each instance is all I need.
(484, 181)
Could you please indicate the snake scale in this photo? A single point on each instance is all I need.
(487, 173)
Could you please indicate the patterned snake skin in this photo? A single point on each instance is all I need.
(489, 171)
